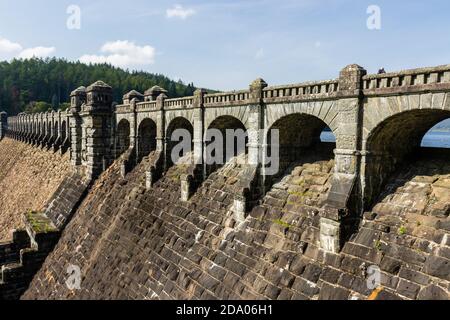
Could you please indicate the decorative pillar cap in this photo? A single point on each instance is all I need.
(99, 86)
(133, 94)
(154, 92)
(350, 78)
(200, 91)
(258, 83)
(78, 91)
(353, 67)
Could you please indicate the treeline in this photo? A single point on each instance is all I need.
(36, 85)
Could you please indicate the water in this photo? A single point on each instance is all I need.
(437, 139)
(433, 139)
(327, 136)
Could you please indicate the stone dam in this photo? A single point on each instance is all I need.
(94, 190)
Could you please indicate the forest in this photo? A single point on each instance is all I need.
(38, 85)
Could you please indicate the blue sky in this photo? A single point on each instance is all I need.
(226, 44)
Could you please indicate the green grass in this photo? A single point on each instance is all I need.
(402, 230)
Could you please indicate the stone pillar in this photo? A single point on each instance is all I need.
(32, 128)
(46, 131)
(133, 98)
(132, 120)
(77, 99)
(160, 125)
(42, 131)
(199, 120)
(19, 122)
(19, 127)
(338, 218)
(161, 139)
(240, 207)
(186, 186)
(3, 124)
(255, 121)
(157, 94)
(97, 117)
(27, 128)
(150, 177)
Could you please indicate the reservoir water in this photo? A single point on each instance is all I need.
(433, 139)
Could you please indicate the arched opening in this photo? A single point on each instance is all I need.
(301, 136)
(122, 137)
(179, 134)
(398, 142)
(55, 130)
(226, 137)
(146, 138)
(63, 131)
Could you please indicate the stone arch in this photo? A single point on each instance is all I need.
(122, 137)
(224, 123)
(391, 142)
(178, 123)
(379, 109)
(240, 113)
(146, 137)
(326, 111)
(299, 135)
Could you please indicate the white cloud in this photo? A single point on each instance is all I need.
(179, 12)
(122, 54)
(36, 52)
(7, 46)
(9, 50)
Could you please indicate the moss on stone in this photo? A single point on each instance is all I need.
(402, 230)
(282, 223)
(39, 222)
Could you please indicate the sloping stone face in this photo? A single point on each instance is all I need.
(407, 232)
(28, 178)
(135, 244)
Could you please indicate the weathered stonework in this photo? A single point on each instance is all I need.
(311, 231)
(27, 252)
(28, 179)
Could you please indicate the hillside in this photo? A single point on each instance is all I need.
(50, 82)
